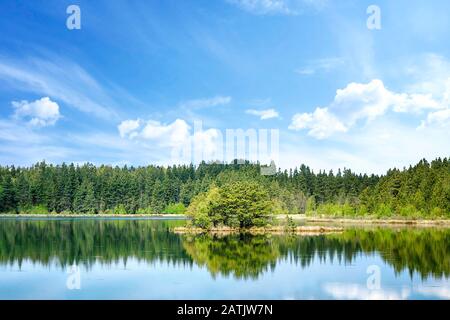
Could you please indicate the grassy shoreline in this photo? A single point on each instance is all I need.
(298, 230)
(369, 220)
(162, 215)
(296, 217)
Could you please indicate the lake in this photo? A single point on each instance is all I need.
(88, 258)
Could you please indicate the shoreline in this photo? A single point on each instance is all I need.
(295, 217)
(299, 230)
(162, 215)
(369, 221)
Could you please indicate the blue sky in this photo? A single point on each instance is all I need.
(128, 86)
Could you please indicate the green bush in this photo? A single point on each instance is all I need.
(202, 220)
(175, 208)
(408, 211)
(120, 209)
(362, 211)
(438, 213)
(336, 210)
(383, 211)
(39, 209)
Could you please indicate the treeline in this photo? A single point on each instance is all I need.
(44, 188)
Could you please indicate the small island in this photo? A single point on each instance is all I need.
(240, 206)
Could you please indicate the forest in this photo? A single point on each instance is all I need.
(419, 191)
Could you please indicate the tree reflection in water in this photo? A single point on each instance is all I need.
(240, 255)
(88, 241)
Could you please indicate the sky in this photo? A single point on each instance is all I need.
(343, 83)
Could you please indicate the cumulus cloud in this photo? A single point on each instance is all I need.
(373, 99)
(171, 135)
(321, 123)
(263, 114)
(208, 144)
(39, 113)
(128, 128)
(186, 145)
(366, 101)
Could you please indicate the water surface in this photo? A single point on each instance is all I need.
(87, 258)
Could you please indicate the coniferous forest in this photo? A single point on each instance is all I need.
(420, 191)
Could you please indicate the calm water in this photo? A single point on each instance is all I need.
(142, 259)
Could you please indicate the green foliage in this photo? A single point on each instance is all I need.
(337, 210)
(239, 204)
(202, 209)
(310, 205)
(175, 208)
(420, 191)
(84, 201)
(383, 211)
(243, 204)
(279, 207)
(290, 224)
(38, 209)
(120, 209)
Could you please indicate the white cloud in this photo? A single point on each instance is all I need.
(321, 123)
(186, 146)
(373, 148)
(415, 103)
(373, 99)
(358, 100)
(169, 135)
(206, 102)
(128, 128)
(263, 114)
(61, 80)
(208, 143)
(438, 118)
(173, 134)
(365, 101)
(41, 113)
